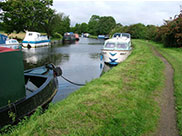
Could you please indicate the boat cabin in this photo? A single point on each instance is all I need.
(34, 36)
(117, 44)
(12, 41)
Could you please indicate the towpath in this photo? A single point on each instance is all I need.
(167, 124)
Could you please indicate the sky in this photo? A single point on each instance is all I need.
(124, 12)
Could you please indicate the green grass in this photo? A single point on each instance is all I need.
(92, 36)
(174, 56)
(123, 102)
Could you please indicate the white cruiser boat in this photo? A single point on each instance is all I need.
(116, 50)
(9, 43)
(34, 40)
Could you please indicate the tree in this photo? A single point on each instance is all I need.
(33, 15)
(77, 28)
(1, 26)
(172, 32)
(137, 31)
(93, 24)
(106, 24)
(60, 23)
(151, 32)
(83, 28)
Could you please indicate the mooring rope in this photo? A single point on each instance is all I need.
(71, 81)
(60, 71)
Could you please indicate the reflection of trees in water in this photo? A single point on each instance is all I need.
(42, 60)
(94, 55)
(106, 68)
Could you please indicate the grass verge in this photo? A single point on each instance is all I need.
(92, 36)
(174, 56)
(123, 102)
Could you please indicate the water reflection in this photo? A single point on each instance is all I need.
(35, 57)
(79, 61)
(105, 68)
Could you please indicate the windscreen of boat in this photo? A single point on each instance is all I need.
(117, 35)
(125, 35)
(121, 45)
(13, 41)
(109, 45)
(30, 34)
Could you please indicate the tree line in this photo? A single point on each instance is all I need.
(37, 15)
(32, 15)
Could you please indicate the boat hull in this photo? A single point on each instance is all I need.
(113, 57)
(12, 46)
(35, 45)
(27, 105)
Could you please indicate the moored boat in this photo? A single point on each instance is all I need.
(116, 50)
(34, 40)
(9, 43)
(69, 37)
(23, 91)
(86, 35)
(105, 37)
(77, 37)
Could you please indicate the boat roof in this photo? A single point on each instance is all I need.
(4, 49)
(32, 32)
(121, 35)
(121, 40)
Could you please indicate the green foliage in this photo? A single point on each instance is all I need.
(119, 29)
(1, 26)
(171, 32)
(96, 25)
(137, 31)
(151, 32)
(106, 24)
(93, 24)
(60, 24)
(80, 28)
(20, 15)
(57, 35)
(121, 102)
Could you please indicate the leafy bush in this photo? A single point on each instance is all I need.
(57, 35)
(171, 32)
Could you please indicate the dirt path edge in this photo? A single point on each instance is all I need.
(167, 124)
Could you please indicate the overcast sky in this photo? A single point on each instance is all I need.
(124, 12)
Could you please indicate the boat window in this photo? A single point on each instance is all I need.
(109, 45)
(117, 35)
(125, 35)
(30, 34)
(14, 41)
(121, 45)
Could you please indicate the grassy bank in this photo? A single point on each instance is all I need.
(174, 56)
(20, 35)
(122, 102)
(92, 36)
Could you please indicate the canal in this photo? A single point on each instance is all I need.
(79, 61)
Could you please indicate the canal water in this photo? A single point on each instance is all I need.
(79, 61)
